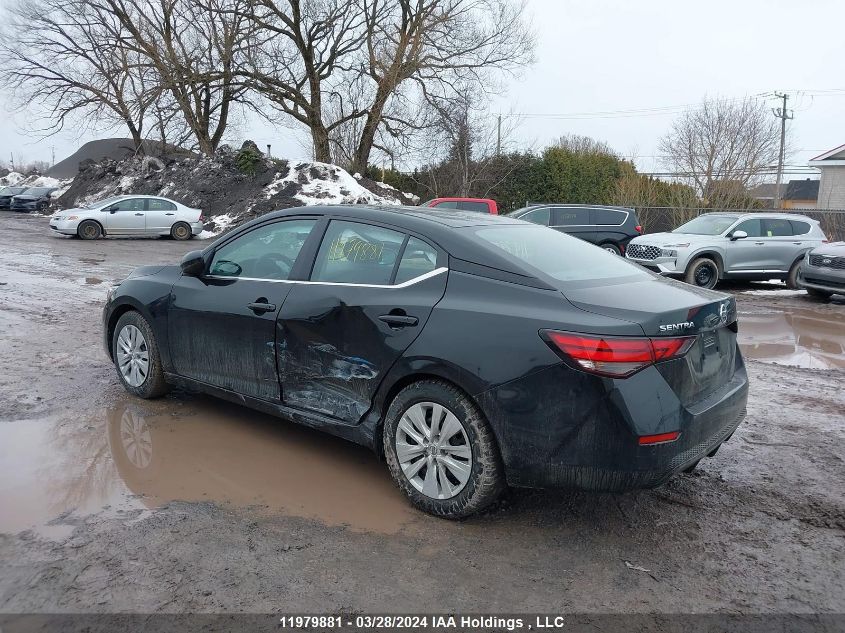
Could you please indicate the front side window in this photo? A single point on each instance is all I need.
(268, 252)
(157, 204)
(537, 216)
(446, 204)
(752, 227)
(469, 205)
(356, 253)
(132, 204)
(418, 258)
(707, 225)
(558, 255)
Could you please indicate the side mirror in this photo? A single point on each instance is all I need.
(111, 209)
(738, 235)
(193, 264)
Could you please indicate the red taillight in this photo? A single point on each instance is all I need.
(202, 217)
(638, 229)
(660, 438)
(616, 356)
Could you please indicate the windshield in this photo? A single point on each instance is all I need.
(12, 191)
(38, 191)
(707, 225)
(100, 203)
(558, 255)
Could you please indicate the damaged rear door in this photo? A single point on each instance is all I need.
(370, 293)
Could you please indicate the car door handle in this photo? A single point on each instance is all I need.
(399, 320)
(760, 243)
(798, 243)
(139, 214)
(169, 214)
(261, 306)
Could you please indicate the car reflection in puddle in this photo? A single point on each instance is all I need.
(224, 453)
(800, 337)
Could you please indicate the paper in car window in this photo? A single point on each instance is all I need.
(769, 234)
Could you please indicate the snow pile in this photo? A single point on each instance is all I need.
(220, 224)
(12, 178)
(322, 183)
(775, 293)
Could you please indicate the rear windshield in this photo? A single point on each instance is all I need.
(707, 225)
(558, 255)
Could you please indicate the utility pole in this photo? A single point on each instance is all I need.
(783, 114)
(499, 135)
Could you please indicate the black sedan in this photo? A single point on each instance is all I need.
(33, 199)
(6, 195)
(470, 351)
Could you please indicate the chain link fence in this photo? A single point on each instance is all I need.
(658, 219)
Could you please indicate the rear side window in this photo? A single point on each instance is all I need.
(478, 207)
(752, 227)
(356, 253)
(558, 255)
(157, 204)
(537, 216)
(418, 259)
(776, 228)
(607, 217)
(799, 228)
(570, 217)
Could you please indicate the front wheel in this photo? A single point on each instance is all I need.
(792, 277)
(441, 452)
(703, 273)
(612, 248)
(136, 357)
(89, 230)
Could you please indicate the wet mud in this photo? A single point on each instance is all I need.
(111, 503)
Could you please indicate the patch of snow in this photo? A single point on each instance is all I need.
(126, 182)
(356, 176)
(12, 178)
(334, 186)
(221, 223)
(775, 293)
(386, 186)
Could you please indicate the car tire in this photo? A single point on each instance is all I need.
(612, 248)
(703, 272)
(484, 479)
(819, 294)
(132, 341)
(792, 277)
(89, 230)
(181, 231)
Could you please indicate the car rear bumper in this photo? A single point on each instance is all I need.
(587, 438)
(825, 279)
(197, 228)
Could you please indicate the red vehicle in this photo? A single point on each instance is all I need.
(479, 205)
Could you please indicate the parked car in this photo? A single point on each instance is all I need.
(6, 195)
(612, 228)
(33, 199)
(479, 205)
(822, 272)
(529, 367)
(716, 246)
(129, 215)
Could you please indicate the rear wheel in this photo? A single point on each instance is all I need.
(703, 273)
(819, 294)
(441, 451)
(181, 231)
(136, 357)
(89, 230)
(612, 248)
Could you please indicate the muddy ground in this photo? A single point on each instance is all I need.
(113, 504)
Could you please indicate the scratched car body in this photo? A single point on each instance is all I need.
(470, 351)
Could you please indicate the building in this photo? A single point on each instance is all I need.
(832, 184)
(765, 193)
(801, 194)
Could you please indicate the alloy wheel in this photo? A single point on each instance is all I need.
(133, 356)
(433, 450)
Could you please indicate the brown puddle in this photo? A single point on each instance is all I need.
(802, 337)
(142, 455)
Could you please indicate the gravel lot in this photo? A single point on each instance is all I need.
(113, 504)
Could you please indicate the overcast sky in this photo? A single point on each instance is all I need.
(607, 56)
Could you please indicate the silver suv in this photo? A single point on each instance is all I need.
(718, 246)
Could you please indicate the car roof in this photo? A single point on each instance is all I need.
(421, 219)
(567, 205)
(761, 214)
(129, 195)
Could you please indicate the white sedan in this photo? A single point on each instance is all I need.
(129, 216)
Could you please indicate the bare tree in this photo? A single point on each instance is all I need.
(197, 50)
(64, 61)
(722, 147)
